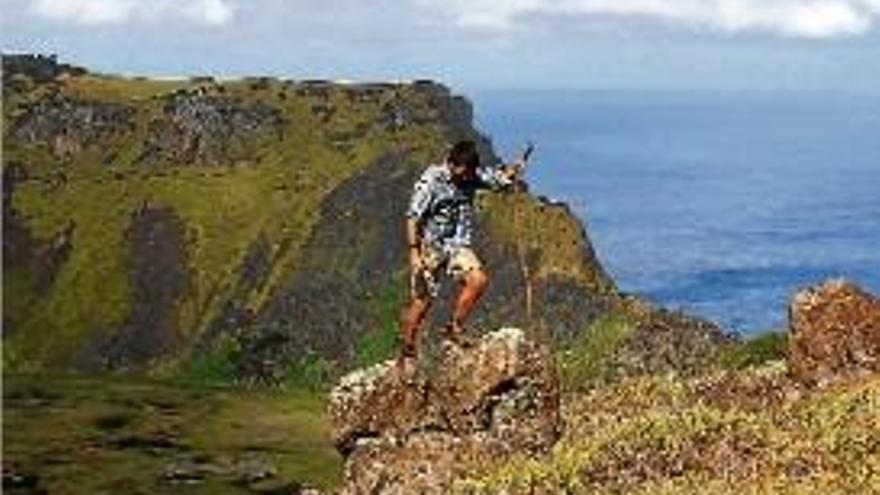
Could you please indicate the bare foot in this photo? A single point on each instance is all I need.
(455, 334)
(406, 363)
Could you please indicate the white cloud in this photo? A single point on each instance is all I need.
(95, 12)
(789, 18)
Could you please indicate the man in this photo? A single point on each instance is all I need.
(439, 229)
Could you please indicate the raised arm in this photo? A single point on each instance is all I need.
(503, 176)
(498, 177)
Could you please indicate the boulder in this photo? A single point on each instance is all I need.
(474, 406)
(835, 332)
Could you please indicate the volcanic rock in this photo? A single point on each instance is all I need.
(418, 434)
(835, 332)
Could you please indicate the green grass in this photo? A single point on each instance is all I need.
(121, 89)
(311, 372)
(214, 366)
(588, 360)
(755, 350)
(380, 343)
(85, 435)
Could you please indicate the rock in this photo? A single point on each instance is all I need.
(835, 332)
(205, 129)
(239, 469)
(67, 125)
(426, 463)
(40, 68)
(374, 402)
(506, 386)
(476, 406)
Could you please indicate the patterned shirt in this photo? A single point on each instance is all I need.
(446, 210)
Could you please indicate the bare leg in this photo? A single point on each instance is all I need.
(475, 284)
(411, 322)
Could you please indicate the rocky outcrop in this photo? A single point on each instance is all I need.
(834, 332)
(202, 129)
(67, 125)
(39, 68)
(473, 407)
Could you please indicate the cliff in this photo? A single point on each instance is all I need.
(250, 228)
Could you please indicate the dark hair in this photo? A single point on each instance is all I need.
(465, 153)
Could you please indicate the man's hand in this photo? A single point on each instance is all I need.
(515, 169)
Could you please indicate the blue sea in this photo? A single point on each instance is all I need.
(719, 203)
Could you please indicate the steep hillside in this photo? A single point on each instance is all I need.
(245, 227)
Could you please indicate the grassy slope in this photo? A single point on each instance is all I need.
(276, 196)
(273, 197)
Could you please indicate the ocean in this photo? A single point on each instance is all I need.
(722, 203)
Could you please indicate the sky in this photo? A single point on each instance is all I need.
(469, 44)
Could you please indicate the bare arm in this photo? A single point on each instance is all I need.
(414, 247)
(414, 244)
(504, 176)
(419, 204)
(413, 234)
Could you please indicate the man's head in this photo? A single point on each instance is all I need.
(463, 161)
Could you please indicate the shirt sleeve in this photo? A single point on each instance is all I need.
(421, 197)
(494, 177)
